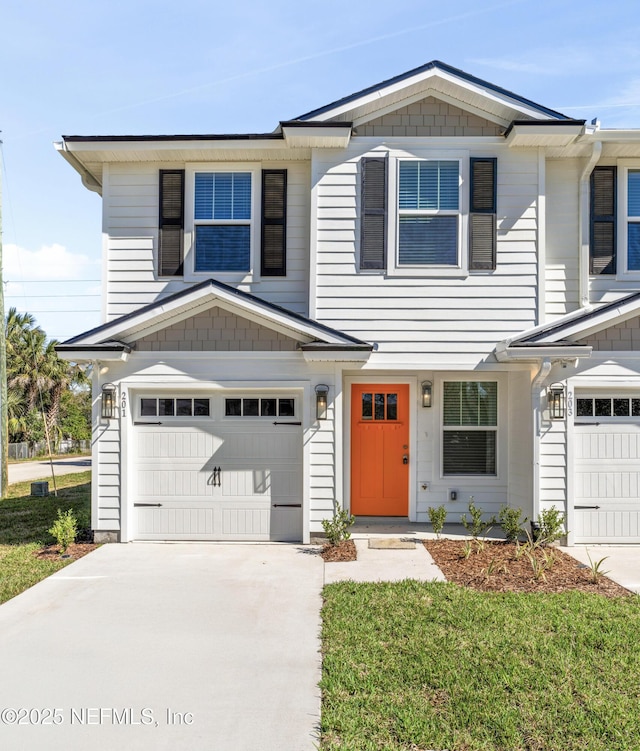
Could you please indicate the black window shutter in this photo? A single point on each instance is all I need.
(171, 223)
(274, 222)
(373, 240)
(602, 246)
(482, 214)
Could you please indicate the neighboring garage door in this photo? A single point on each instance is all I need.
(232, 474)
(607, 469)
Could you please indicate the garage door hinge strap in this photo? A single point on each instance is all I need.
(287, 423)
(287, 505)
(147, 423)
(586, 507)
(155, 505)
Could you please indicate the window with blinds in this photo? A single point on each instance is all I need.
(470, 427)
(428, 212)
(222, 221)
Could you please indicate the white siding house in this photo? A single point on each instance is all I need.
(424, 291)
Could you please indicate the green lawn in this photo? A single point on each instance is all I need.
(24, 521)
(416, 666)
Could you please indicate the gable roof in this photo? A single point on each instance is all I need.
(565, 337)
(118, 335)
(438, 79)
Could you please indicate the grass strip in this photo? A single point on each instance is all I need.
(416, 666)
(24, 521)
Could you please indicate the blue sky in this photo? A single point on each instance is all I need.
(142, 67)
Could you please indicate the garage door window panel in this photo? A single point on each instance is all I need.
(174, 407)
(259, 407)
(619, 407)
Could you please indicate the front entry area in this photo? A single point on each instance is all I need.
(380, 449)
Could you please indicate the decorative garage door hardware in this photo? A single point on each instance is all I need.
(586, 507)
(147, 423)
(588, 423)
(287, 423)
(216, 479)
(155, 505)
(286, 505)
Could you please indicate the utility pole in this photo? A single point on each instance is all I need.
(4, 429)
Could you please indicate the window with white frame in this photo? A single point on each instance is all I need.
(469, 428)
(428, 212)
(222, 218)
(633, 219)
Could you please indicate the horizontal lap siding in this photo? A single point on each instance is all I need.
(107, 477)
(427, 314)
(553, 464)
(562, 238)
(131, 226)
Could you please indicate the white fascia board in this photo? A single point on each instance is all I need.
(355, 356)
(91, 355)
(315, 137)
(436, 94)
(552, 135)
(380, 94)
(89, 180)
(121, 329)
(196, 144)
(531, 354)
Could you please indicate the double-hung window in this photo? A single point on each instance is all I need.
(469, 428)
(429, 226)
(222, 218)
(615, 219)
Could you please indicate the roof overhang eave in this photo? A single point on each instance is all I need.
(533, 353)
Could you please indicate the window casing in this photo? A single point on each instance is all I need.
(430, 198)
(222, 221)
(469, 428)
(178, 407)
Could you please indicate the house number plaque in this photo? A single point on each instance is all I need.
(123, 403)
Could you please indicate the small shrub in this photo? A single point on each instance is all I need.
(551, 523)
(337, 529)
(475, 526)
(64, 529)
(437, 517)
(511, 522)
(596, 568)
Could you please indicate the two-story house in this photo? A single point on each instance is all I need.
(424, 291)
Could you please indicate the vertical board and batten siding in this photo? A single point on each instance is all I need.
(131, 227)
(562, 237)
(428, 315)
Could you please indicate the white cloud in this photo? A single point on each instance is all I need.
(51, 263)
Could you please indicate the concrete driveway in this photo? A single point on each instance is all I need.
(175, 646)
(25, 471)
(622, 564)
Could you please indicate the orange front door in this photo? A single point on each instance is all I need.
(380, 450)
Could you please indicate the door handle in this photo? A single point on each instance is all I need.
(405, 458)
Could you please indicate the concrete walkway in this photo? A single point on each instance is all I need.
(174, 646)
(41, 470)
(385, 564)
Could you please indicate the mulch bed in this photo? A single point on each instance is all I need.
(496, 569)
(74, 551)
(343, 551)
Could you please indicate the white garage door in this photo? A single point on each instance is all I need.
(237, 477)
(607, 467)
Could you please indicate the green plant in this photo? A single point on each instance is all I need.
(337, 528)
(64, 529)
(596, 568)
(437, 517)
(511, 522)
(541, 564)
(551, 522)
(475, 526)
(466, 550)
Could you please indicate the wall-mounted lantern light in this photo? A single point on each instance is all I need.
(322, 391)
(108, 410)
(427, 387)
(556, 401)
